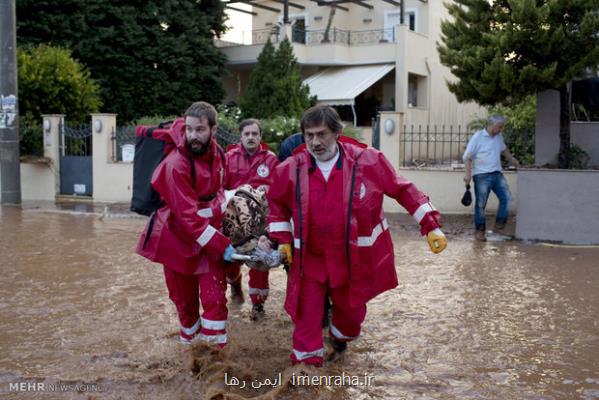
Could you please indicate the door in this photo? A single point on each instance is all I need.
(75, 160)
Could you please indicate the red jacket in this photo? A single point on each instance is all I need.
(367, 176)
(255, 170)
(185, 231)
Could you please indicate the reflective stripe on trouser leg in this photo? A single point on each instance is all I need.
(213, 286)
(346, 322)
(307, 333)
(258, 286)
(183, 292)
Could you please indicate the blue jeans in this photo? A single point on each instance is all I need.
(483, 184)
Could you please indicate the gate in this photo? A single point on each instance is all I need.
(75, 160)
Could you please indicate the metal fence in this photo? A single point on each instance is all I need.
(341, 36)
(76, 140)
(444, 146)
(122, 136)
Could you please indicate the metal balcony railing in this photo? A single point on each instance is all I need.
(248, 38)
(316, 37)
(344, 37)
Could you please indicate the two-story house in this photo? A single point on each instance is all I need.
(355, 55)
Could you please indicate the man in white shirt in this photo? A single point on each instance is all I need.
(482, 160)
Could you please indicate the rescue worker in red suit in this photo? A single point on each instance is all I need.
(333, 192)
(184, 234)
(249, 162)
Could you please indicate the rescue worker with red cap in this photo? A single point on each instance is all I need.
(333, 193)
(249, 162)
(184, 234)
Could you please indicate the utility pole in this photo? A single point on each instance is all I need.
(10, 169)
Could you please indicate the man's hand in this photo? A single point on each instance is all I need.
(467, 178)
(436, 240)
(286, 253)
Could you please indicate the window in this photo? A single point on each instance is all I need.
(392, 18)
(417, 91)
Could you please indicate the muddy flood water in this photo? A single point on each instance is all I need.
(83, 317)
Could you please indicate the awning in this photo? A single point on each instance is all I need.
(341, 85)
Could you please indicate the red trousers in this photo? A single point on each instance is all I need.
(307, 335)
(186, 291)
(258, 282)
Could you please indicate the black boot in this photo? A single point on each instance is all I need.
(257, 312)
(335, 349)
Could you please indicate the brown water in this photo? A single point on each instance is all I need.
(495, 320)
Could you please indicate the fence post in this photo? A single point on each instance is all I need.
(102, 127)
(51, 128)
(390, 136)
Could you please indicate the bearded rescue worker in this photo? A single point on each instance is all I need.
(184, 234)
(249, 162)
(334, 191)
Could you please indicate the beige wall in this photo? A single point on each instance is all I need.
(38, 182)
(112, 180)
(445, 189)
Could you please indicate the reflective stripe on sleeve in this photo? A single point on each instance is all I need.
(205, 237)
(422, 210)
(279, 227)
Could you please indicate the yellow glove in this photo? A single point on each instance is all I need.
(286, 252)
(436, 240)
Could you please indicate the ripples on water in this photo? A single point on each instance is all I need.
(495, 320)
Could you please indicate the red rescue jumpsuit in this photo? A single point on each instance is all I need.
(341, 239)
(185, 236)
(255, 170)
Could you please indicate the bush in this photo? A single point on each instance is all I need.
(31, 140)
(229, 118)
(51, 82)
(277, 129)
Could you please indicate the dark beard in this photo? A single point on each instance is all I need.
(198, 151)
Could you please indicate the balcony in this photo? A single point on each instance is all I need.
(343, 37)
(335, 47)
(314, 37)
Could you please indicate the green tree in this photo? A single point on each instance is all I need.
(150, 57)
(290, 96)
(504, 50)
(51, 82)
(256, 101)
(275, 87)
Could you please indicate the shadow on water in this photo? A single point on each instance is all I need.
(495, 320)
